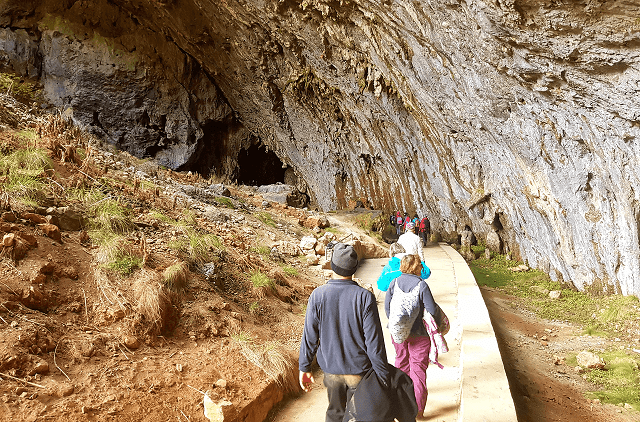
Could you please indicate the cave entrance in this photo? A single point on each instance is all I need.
(257, 166)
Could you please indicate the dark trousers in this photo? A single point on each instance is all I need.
(340, 388)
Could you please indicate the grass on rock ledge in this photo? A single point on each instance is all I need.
(609, 316)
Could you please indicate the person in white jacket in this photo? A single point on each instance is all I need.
(411, 242)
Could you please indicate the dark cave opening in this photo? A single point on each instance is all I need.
(257, 166)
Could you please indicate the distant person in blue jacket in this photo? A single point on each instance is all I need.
(392, 269)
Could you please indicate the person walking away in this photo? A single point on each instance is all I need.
(342, 330)
(412, 355)
(406, 221)
(411, 243)
(416, 222)
(399, 223)
(392, 269)
(425, 227)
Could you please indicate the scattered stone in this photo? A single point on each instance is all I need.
(308, 243)
(316, 221)
(8, 240)
(179, 367)
(9, 217)
(558, 360)
(520, 268)
(215, 411)
(221, 383)
(312, 259)
(595, 401)
(20, 390)
(555, 294)
(628, 406)
(40, 367)
(69, 219)
(35, 218)
(65, 390)
(29, 239)
(579, 369)
(589, 360)
(47, 268)
(539, 289)
(52, 232)
(288, 248)
(131, 342)
(39, 279)
(487, 254)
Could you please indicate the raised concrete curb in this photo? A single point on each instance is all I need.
(485, 393)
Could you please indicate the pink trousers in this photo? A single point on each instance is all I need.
(412, 358)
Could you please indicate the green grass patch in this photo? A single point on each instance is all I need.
(266, 218)
(619, 380)
(20, 88)
(261, 250)
(225, 202)
(259, 279)
(25, 171)
(124, 264)
(291, 271)
(197, 246)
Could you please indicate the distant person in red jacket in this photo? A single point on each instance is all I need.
(425, 230)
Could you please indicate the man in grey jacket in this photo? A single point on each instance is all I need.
(342, 329)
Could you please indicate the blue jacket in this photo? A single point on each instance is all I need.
(392, 270)
(342, 329)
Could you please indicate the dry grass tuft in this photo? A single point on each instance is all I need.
(175, 277)
(275, 360)
(155, 306)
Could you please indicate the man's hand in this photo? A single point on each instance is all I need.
(306, 380)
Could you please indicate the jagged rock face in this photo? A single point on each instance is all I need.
(515, 117)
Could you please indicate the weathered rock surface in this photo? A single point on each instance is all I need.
(517, 117)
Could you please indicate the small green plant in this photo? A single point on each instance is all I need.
(114, 252)
(198, 246)
(259, 279)
(124, 263)
(254, 306)
(266, 218)
(291, 271)
(262, 250)
(242, 337)
(225, 202)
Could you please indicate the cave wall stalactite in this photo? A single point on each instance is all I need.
(461, 110)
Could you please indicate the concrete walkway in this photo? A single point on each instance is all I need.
(473, 386)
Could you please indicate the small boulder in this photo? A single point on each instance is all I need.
(555, 294)
(40, 367)
(308, 243)
(590, 360)
(52, 232)
(131, 342)
(35, 218)
(8, 240)
(9, 217)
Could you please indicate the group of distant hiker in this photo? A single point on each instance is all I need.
(342, 330)
(420, 226)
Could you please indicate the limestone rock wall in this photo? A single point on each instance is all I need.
(517, 118)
